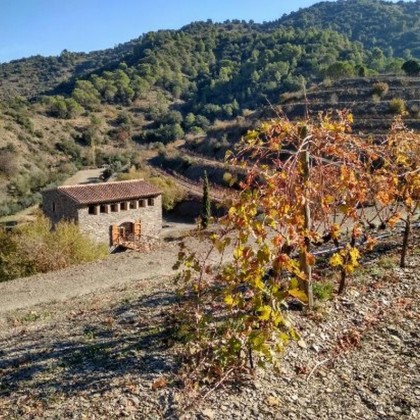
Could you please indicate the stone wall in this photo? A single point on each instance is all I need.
(97, 225)
(56, 206)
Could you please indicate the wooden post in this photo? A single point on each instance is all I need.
(407, 231)
(306, 213)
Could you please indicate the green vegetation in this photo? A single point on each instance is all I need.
(363, 21)
(380, 88)
(397, 106)
(36, 248)
(171, 193)
(323, 290)
(231, 318)
(58, 114)
(411, 67)
(206, 204)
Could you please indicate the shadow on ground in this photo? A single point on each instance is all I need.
(87, 351)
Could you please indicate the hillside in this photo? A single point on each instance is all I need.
(205, 83)
(33, 76)
(372, 100)
(103, 349)
(393, 27)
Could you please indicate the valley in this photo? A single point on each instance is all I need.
(284, 282)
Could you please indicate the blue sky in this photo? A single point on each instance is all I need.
(46, 27)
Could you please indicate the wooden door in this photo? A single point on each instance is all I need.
(115, 233)
(137, 229)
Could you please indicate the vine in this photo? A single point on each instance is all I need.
(308, 183)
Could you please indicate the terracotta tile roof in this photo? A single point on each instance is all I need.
(109, 191)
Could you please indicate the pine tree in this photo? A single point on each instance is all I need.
(206, 205)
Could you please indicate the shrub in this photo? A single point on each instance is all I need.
(36, 248)
(171, 193)
(323, 291)
(8, 163)
(411, 67)
(376, 99)
(380, 89)
(340, 70)
(397, 106)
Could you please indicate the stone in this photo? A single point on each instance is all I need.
(207, 413)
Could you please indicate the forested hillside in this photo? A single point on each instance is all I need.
(206, 83)
(393, 27)
(29, 77)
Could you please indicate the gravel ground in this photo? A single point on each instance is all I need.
(116, 269)
(85, 176)
(104, 354)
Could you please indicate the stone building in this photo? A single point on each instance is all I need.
(115, 213)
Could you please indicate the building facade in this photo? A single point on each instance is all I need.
(115, 213)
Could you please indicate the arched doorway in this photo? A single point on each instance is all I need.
(125, 232)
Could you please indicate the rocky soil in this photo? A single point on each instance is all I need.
(105, 354)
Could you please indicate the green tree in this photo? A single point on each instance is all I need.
(340, 69)
(86, 94)
(206, 204)
(411, 67)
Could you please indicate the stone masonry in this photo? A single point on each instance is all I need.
(97, 225)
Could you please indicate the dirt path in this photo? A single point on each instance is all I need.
(85, 176)
(76, 281)
(115, 270)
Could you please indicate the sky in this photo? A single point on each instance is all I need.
(47, 27)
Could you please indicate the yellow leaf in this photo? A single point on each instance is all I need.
(265, 312)
(237, 253)
(232, 211)
(299, 294)
(354, 255)
(259, 284)
(335, 231)
(229, 300)
(329, 199)
(336, 260)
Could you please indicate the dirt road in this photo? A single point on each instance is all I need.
(115, 270)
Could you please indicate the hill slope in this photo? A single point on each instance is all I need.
(393, 27)
(372, 100)
(202, 83)
(104, 354)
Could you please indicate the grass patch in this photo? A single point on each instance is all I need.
(323, 290)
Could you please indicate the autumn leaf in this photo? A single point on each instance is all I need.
(160, 383)
(265, 312)
(392, 221)
(299, 294)
(354, 255)
(310, 258)
(336, 260)
(370, 243)
(229, 300)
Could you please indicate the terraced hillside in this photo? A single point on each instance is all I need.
(374, 101)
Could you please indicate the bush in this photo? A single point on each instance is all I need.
(380, 89)
(36, 248)
(397, 106)
(411, 67)
(324, 290)
(8, 163)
